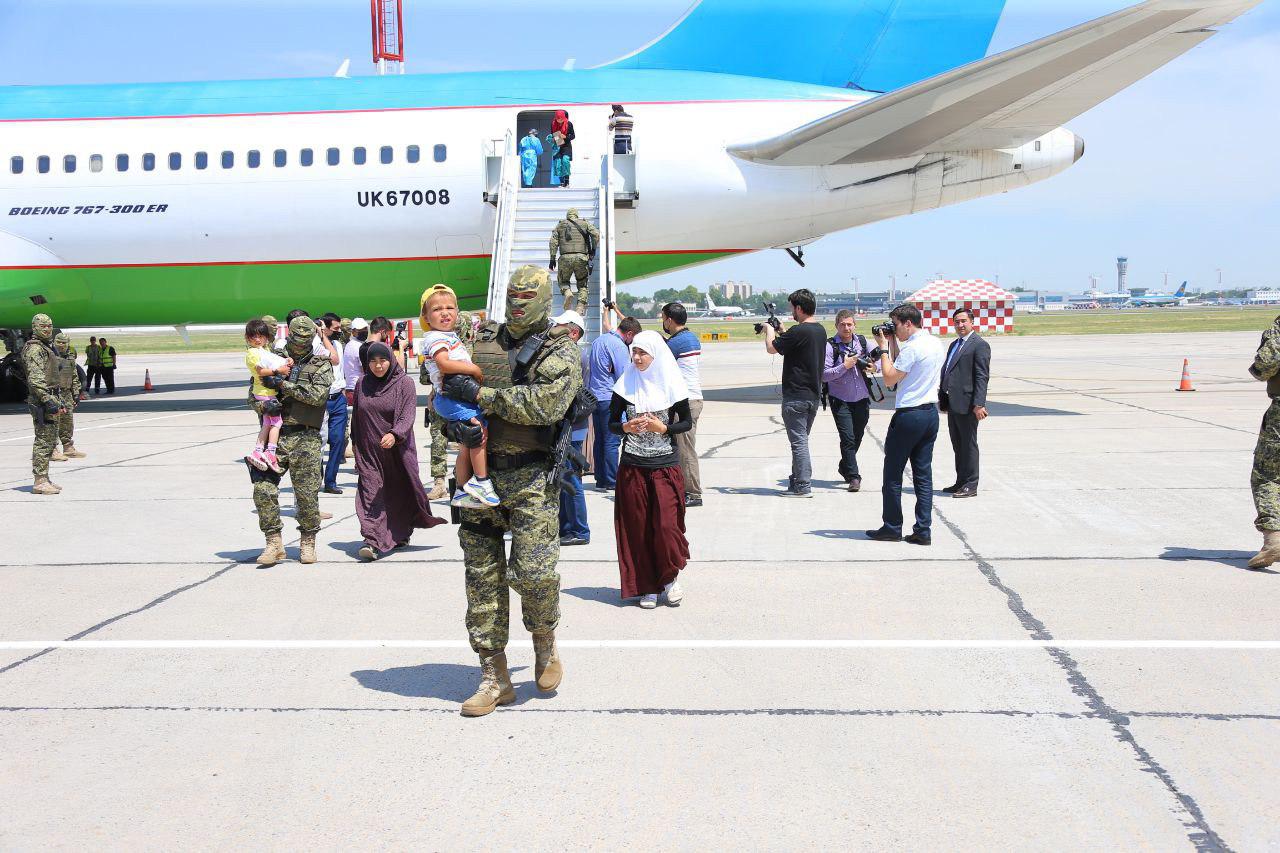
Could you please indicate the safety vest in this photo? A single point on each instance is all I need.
(107, 358)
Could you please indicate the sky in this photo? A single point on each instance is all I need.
(1181, 172)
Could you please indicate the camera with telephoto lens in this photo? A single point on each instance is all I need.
(773, 319)
(608, 303)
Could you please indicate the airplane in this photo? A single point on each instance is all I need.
(714, 310)
(1161, 300)
(758, 126)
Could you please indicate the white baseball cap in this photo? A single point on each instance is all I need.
(570, 317)
(359, 323)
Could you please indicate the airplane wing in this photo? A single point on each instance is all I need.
(1006, 100)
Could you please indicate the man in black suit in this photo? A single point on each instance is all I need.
(963, 396)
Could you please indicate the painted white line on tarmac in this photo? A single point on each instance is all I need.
(91, 645)
(129, 422)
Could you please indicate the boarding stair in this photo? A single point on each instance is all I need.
(522, 232)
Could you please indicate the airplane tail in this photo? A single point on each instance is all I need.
(711, 306)
(874, 45)
(1182, 291)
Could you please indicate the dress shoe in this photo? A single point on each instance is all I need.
(693, 500)
(952, 489)
(884, 535)
(965, 492)
(332, 490)
(855, 485)
(567, 541)
(917, 539)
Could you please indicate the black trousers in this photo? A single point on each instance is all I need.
(851, 424)
(90, 374)
(963, 428)
(108, 375)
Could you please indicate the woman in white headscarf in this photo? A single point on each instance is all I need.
(650, 407)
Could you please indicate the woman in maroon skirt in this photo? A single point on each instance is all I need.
(390, 500)
(650, 407)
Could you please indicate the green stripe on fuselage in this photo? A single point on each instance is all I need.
(232, 293)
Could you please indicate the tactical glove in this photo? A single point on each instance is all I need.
(273, 382)
(458, 386)
(272, 407)
(51, 407)
(465, 433)
(551, 265)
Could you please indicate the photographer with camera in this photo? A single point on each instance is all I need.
(802, 347)
(846, 363)
(914, 426)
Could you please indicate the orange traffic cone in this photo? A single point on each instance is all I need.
(146, 385)
(1185, 384)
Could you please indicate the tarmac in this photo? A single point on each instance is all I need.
(1081, 659)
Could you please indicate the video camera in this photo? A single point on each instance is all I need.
(401, 328)
(770, 307)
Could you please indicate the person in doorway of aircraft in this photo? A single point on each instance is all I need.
(530, 151)
(620, 125)
(560, 141)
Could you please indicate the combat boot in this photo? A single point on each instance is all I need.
(1270, 552)
(44, 487)
(57, 456)
(439, 491)
(546, 665)
(495, 686)
(307, 548)
(273, 552)
(72, 453)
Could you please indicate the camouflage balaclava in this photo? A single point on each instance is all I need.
(302, 331)
(42, 327)
(573, 213)
(528, 315)
(345, 326)
(62, 343)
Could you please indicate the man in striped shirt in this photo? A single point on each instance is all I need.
(621, 123)
(688, 352)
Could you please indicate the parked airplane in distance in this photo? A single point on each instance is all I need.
(714, 310)
(1161, 300)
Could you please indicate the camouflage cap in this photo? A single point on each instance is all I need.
(271, 321)
(573, 213)
(301, 331)
(345, 324)
(62, 342)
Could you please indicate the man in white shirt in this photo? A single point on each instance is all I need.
(352, 370)
(914, 427)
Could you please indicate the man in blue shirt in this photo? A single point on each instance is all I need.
(610, 354)
(687, 349)
(914, 426)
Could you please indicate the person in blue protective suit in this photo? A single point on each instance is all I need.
(530, 151)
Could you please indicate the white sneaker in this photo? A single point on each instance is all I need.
(462, 500)
(482, 491)
(648, 602)
(674, 593)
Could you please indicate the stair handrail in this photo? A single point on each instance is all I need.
(608, 255)
(503, 234)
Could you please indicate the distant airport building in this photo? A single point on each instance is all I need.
(872, 303)
(1037, 301)
(1264, 297)
(730, 289)
(1122, 275)
(991, 306)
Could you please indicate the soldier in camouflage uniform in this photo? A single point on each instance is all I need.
(40, 364)
(576, 241)
(68, 394)
(345, 334)
(303, 394)
(1265, 478)
(521, 417)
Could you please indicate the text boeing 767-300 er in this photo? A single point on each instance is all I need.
(759, 125)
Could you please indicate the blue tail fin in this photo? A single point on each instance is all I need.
(877, 45)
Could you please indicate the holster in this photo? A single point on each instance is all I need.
(38, 413)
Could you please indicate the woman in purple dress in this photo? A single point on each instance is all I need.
(390, 500)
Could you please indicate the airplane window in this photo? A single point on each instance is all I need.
(357, 156)
(42, 164)
(228, 159)
(385, 154)
(122, 162)
(175, 161)
(254, 158)
(331, 156)
(202, 160)
(440, 153)
(69, 163)
(412, 154)
(15, 165)
(282, 157)
(95, 162)
(148, 162)
(1037, 144)
(304, 156)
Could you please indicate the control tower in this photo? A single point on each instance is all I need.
(1122, 275)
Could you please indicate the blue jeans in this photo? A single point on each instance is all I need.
(573, 507)
(606, 449)
(337, 409)
(911, 436)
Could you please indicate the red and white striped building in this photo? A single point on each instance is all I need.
(992, 307)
